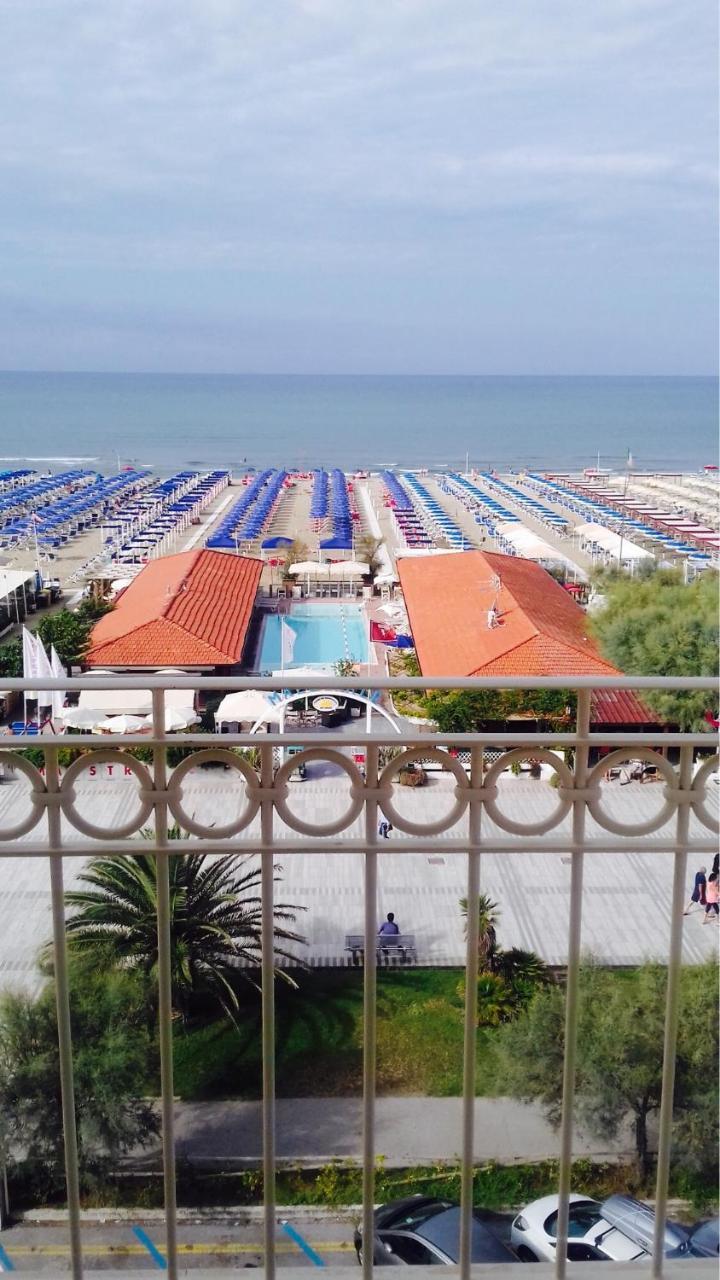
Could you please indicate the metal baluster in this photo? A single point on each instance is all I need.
(470, 1034)
(573, 976)
(268, 1007)
(165, 1009)
(62, 998)
(369, 1013)
(672, 1014)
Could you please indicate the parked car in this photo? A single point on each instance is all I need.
(421, 1230)
(620, 1229)
(702, 1242)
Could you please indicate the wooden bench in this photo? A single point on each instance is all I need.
(390, 945)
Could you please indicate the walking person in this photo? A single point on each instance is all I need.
(712, 893)
(384, 829)
(698, 893)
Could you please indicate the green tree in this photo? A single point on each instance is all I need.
(11, 659)
(619, 1062)
(469, 710)
(296, 553)
(215, 920)
(507, 979)
(68, 632)
(661, 626)
(366, 549)
(114, 1067)
(487, 930)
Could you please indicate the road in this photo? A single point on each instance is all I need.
(305, 1241)
(409, 1131)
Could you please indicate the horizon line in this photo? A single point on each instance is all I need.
(254, 373)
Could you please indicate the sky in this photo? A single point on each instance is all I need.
(359, 186)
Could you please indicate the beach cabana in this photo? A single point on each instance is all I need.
(614, 543)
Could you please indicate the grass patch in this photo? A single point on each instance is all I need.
(496, 1187)
(319, 1040)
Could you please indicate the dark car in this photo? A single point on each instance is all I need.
(422, 1231)
(702, 1242)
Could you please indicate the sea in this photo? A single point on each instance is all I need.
(172, 421)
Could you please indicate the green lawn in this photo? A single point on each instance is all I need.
(319, 1040)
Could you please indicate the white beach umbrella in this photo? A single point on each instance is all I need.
(177, 718)
(246, 704)
(123, 724)
(80, 717)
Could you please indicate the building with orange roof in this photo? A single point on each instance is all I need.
(480, 613)
(191, 610)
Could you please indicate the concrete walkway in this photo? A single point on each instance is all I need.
(410, 1130)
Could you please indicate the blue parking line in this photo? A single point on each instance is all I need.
(301, 1243)
(152, 1249)
(6, 1263)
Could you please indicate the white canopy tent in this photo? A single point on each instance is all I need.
(245, 704)
(133, 702)
(612, 542)
(532, 547)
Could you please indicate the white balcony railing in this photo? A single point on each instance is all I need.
(580, 822)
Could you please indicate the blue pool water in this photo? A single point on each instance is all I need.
(324, 634)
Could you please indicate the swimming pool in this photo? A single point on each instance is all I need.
(324, 634)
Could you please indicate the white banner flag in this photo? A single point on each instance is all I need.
(29, 648)
(58, 670)
(43, 669)
(287, 642)
(30, 663)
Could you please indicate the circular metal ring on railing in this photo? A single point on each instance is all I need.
(318, 828)
(614, 760)
(108, 756)
(564, 801)
(410, 757)
(708, 770)
(226, 757)
(37, 796)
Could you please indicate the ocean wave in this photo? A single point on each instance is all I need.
(63, 457)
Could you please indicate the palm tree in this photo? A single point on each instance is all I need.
(215, 919)
(487, 936)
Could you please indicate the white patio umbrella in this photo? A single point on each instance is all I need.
(310, 568)
(178, 718)
(80, 717)
(111, 702)
(246, 704)
(123, 724)
(349, 569)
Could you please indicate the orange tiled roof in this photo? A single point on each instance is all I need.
(187, 610)
(539, 630)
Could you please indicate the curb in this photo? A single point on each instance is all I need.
(235, 1214)
(238, 1214)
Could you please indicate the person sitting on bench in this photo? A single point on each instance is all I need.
(388, 927)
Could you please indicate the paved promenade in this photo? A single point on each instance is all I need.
(626, 904)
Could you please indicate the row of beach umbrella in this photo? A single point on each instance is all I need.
(533, 507)
(228, 532)
(319, 498)
(341, 538)
(143, 530)
(602, 510)
(63, 518)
